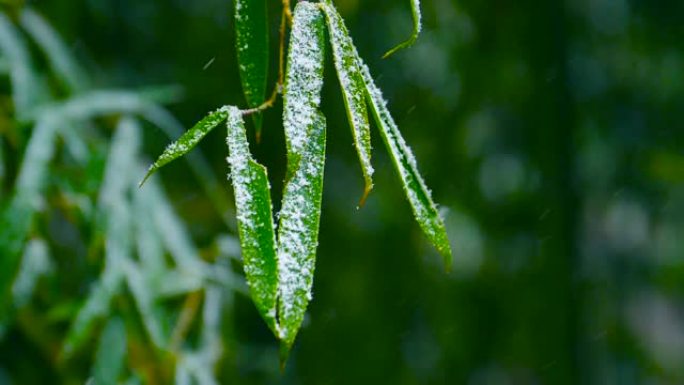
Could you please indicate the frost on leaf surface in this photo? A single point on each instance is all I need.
(251, 43)
(188, 140)
(255, 219)
(305, 136)
(304, 77)
(298, 233)
(424, 209)
(351, 82)
(415, 12)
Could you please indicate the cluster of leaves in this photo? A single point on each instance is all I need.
(71, 167)
(279, 261)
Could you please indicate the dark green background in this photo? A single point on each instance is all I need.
(551, 134)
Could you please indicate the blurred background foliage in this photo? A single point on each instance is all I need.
(550, 132)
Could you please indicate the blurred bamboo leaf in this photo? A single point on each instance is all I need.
(111, 353)
(305, 136)
(59, 57)
(25, 87)
(27, 198)
(255, 220)
(35, 262)
(351, 81)
(415, 13)
(116, 210)
(251, 42)
(187, 141)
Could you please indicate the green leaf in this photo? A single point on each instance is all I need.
(188, 140)
(25, 85)
(116, 210)
(16, 220)
(353, 90)
(251, 43)
(424, 209)
(255, 219)
(111, 352)
(35, 262)
(305, 137)
(61, 60)
(415, 12)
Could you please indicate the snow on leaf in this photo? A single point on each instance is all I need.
(301, 206)
(415, 12)
(255, 219)
(351, 82)
(298, 233)
(424, 209)
(304, 77)
(188, 140)
(251, 43)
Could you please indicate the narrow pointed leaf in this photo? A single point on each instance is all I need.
(415, 12)
(16, 219)
(25, 84)
(353, 91)
(188, 140)
(298, 234)
(56, 51)
(305, 136)
(251, 41)
(111, 352)
(255, 219)
(424, 209)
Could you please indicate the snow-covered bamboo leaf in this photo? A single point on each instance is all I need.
(303, 79)
(251, 43)
(255, 219)
(305, 135)
(351, 82)
(415, 12)
(298, 235)
(424, 209)
(111, 353)
(188, 140)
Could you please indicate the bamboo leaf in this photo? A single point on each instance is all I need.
(424, 209)
(111, 352)
(251, 41)
(415, 13)
(56, 51)
(305, 137)
(187, 141)
(255, 219)
(353, 91)
(16, 220)
(116, 209)
(25, 85)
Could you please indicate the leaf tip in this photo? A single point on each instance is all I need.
(366, 191)
(147, 176)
